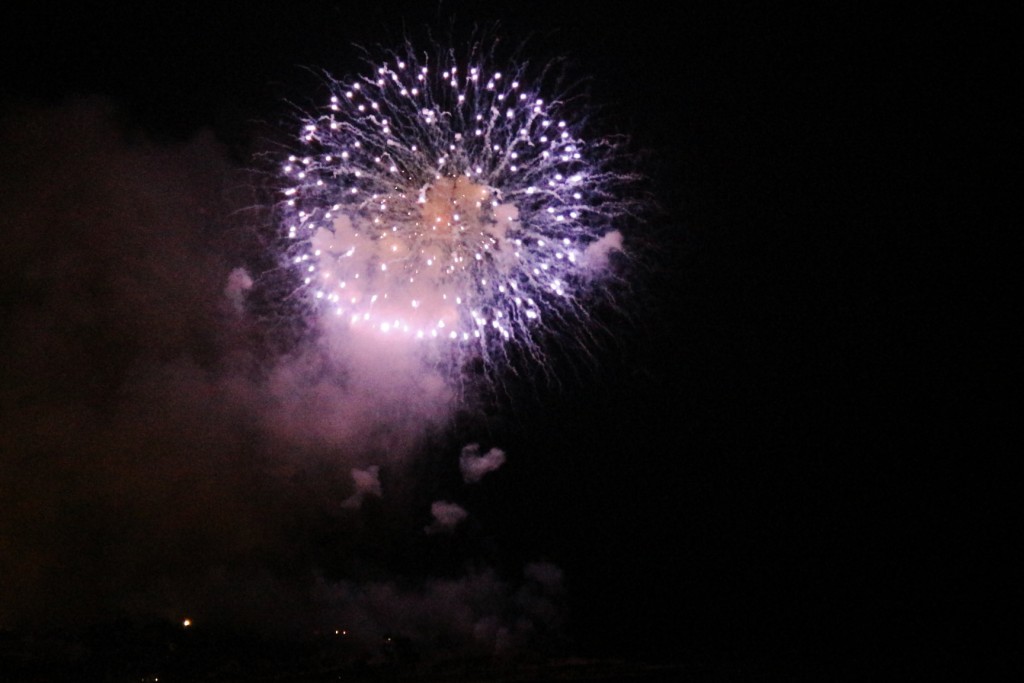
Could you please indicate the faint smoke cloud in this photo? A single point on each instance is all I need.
(474, 466)
(596, 255)
(476, 613)
(447, 516)
(161, 433)
(546, 574)
(239, 282)
(367, 483)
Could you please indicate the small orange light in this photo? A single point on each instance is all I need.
(186, 623)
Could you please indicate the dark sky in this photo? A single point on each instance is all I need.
(754, 469)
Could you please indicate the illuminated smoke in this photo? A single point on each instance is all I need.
(367, 483)
(474, 466)
(446, 515)
(239, 282)
(144, 417)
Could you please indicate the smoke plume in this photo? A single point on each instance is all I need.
(161, 451)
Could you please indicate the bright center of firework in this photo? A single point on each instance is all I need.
(410, 279)
(452, 204)
(433, 203)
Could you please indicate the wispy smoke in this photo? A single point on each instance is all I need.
(367, 482)
(474, 466)
(596, 255)
(156, 455)
(479, 612)
(446, 516)
(239, 282)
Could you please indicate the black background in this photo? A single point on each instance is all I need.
(761, 469)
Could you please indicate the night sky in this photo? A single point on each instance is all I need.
(752, 470)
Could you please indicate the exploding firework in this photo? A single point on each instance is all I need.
(451, 201)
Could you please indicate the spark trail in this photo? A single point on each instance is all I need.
(453, 202)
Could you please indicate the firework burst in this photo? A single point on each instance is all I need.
(453, 202)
